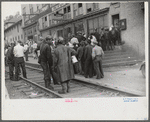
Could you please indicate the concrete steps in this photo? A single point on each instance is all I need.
(118, 57)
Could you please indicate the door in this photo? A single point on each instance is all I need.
(115, 20)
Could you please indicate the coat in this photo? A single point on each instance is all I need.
(10, 55)
(63, 62)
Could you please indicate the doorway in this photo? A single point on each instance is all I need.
(115, 20)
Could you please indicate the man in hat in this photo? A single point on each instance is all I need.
(53, 71)
(88, 68)
(97, 36)
(63, 64)
(97, 55)
(46, 61)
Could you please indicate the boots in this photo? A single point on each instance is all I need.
(68, 87)
(47, 85)
(64, 90)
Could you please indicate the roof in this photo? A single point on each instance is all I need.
(13, 20)
(17, 21)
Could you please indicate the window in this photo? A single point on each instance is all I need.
(50, 33)
(75, 9)
(95, 5)
(17, 28)
(65, 10)
(13, 39)
(24, 10)
(89, 7)
(21, 36)
(31, 10)
(50, 20)
(37, 7)
(68, 9)
(18, 38)
(46, 18)
(35, 29)
(79, 5)
(80, 8)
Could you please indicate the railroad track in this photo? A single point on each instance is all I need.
(34, 87)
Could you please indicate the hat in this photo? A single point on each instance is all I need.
(48, 37)
(70, 45)
(41, 38)
(94, 40)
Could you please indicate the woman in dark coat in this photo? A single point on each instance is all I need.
(63, 64)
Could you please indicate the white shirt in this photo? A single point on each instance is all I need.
(26, 47)
(19, 51)
(74, 40)
(34, 46)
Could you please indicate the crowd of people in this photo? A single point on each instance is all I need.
(61, 59)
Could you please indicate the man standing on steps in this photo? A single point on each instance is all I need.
(46, 61)
(97, 55)
(19, 60)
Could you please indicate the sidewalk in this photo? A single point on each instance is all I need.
(123, 78)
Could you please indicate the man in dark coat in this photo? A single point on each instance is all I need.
(79, 36)
(88, 69)
(80, 57)
(46, 61)
(53, 71)
(97, 36)
(10, 61)
(64, 64)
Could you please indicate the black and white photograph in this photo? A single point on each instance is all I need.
(78, 57)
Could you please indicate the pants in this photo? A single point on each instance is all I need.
(47, 77)
(34, 54)
(76, 67)
(19, 61)
(26, 55)
(54, 75)
(80, 67)
(104, 45)
(98, 67)
(11, 70)
(88, 69)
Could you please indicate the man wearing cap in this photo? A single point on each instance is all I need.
(51, 68)
(97, 55)
(19, 60)
(46, 61)
(63, 64)
(97, 36)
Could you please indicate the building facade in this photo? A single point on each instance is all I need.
(63, 19)
(13, 30)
